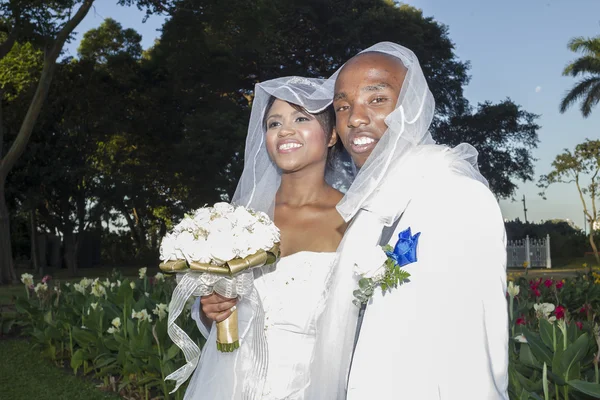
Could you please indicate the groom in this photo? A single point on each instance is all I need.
(444, 334)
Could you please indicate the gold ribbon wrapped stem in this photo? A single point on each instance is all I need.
(173, 266)
(228, 338)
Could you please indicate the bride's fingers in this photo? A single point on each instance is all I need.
(213, 309)
(224, 315)
(216, 299)
(220, 316)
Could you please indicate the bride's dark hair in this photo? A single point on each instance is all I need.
(325, 118)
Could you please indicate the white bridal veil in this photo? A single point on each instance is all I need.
(407, 134)
(241, 374)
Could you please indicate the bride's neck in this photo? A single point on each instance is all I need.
(302, 187)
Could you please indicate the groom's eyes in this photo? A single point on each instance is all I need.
(341, 108)
(378, 100)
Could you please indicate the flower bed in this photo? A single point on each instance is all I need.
(555, 336)
(114, 330)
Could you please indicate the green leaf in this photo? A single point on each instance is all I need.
(83, 337)
(528, 384)
(78, 358)
(557, 366)
(172, 352)
(540, 351)
(526, 356)
(574, 353)
(546, 332)
(589, 388)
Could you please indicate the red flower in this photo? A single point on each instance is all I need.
(579, 325)
(559, 284)
(535, 284)
(521, 321)
(585, 308)
(548, 283)
(537, 292)
(559, 312)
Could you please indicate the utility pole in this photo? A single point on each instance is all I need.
(525, 208)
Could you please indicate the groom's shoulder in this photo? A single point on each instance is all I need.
(460, 196)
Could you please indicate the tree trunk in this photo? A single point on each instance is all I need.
(7, 162)
(132, 228)
(593, 244)
(7, 268)
(70, 242)
(35, 259)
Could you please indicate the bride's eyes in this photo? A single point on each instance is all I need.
(302, 119)
(273, 124)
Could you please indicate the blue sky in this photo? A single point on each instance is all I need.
(517, 49)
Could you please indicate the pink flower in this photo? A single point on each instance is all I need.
(521, 321)
(46, 278)
(537, 292)
(579, 325)
(559, 312)
(548, 283)
(559, 284)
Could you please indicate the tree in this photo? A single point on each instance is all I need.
(587, 90)
(63, 26)
(504, 135)
(46, 24)
(575, 167)
(239, 43)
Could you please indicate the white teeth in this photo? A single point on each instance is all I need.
(287, 146)
(361, 141)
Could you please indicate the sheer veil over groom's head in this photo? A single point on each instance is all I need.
(406, 134)
(407, 126)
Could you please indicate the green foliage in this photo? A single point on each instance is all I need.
(19, 70)
(126, 139)
(566, 241)
(110, 40)
(95, 326)
(581, 168)
(393, 276)
(504, 135)
(553, 354)
(587, 90)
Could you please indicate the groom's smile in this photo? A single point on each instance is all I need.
(366, 92)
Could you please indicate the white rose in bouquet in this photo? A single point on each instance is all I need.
(221, 247)
(168, 248)
(243, 218)
(223, 208)
(186, 225)
(201, 217)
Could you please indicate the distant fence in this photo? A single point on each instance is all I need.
(534, 252)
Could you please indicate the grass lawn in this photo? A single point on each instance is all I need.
(25, 375)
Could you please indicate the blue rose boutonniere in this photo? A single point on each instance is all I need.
(405, 251)
(389, 274)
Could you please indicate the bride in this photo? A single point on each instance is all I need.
(288, 173)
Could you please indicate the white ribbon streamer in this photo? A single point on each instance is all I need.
(202, 284)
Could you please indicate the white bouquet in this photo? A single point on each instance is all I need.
(217, 235)
(213, 250)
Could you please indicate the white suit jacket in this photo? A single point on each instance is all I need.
(444, 334)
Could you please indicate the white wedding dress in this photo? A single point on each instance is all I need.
(292, 293)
